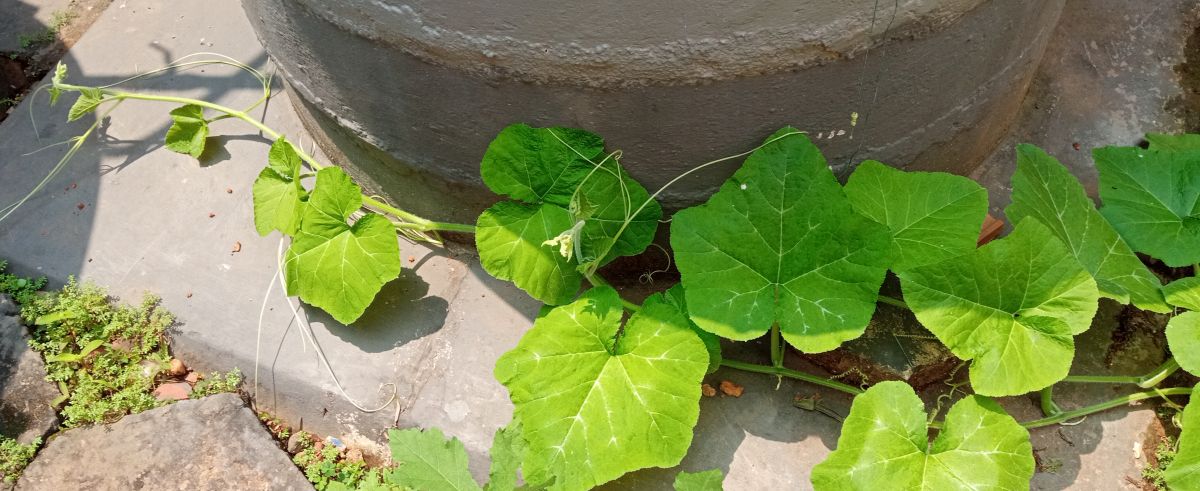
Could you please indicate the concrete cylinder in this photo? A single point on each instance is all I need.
(407, 94)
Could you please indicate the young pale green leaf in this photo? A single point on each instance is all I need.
(1183, 337)
(537, 165)
(1173, 143)
(1153, 199)
(1184, 472)
(676, 298)
(710, 480)
(60, 76)
(189, 131)
(1012, 306)
(336, 266)
(1045, 191)
(593, 404)
(780, 243)
(1184, 293)
(88, 100)
(278, 196)
(426, 460)
(511, 240)
(508, 450)
(606, 197)
(933, 216)
(884, 446)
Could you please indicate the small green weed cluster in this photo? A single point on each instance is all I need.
(14, 457)
(59, 20)
(1155, 475)
(21, 289)
(327, 468)
(104, 357)
(217, 383)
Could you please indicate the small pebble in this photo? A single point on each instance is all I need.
(731, 389)
(708, 390)
(177, 391)
(178, 369)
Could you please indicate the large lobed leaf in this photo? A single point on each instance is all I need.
(780, 243)
(334, 265)
(932, 216)
(278, 195)
(1184, 292)
(1184, 472)
(1152, 197)
(596, 400)
(570, 210)
(884, 446)
(1183, 337)
(1045, 191)
(1012, 306)
(675, 297)
(426, 460)
(1173, 143)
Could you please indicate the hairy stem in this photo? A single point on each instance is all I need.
(776, 347)
(794, 374)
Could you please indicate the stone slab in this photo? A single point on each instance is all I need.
(214, 443)
(25, 395)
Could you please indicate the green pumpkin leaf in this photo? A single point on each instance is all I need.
(1012, 306)
(511, 240)
(576, 203)
(932, 216)
(88, 100)
(1184, 471)
(1045, 191)
(1184, 293)
(336, 266)
(675, 298)
(710, 480)
(508, 450)
(884, 446)
(596, 400)
(1153, 199)
(189, 131)
(1173, 143)
(426, 460)
(1183, 337)
(278, 196)
(606, 197)
(537, 165)
(780, 243)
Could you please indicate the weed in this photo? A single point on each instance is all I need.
(14, 457)
(59, 20)
(216, 383)
(278, 428)
(324, 464)
(21, 289)
(1164, 454)
(104, 357)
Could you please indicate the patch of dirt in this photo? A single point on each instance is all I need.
(21, 70)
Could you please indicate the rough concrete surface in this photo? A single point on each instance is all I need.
(26, 17)
(25, 395)
(214, 443)
(935, 97)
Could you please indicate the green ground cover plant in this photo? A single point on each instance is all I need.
(14, 457)
(781, 250)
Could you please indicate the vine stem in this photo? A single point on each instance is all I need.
(596, 280)
(1144, 381)
(895, 302)
(426, 224)
(794, 374)
(776, 347)
(1109, 404)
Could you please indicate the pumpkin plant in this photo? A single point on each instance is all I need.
(602, 386)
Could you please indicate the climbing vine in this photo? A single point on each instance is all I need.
(602, 386)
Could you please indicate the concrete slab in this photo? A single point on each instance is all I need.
(435, 333)
(27, 18)
(214, 443)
